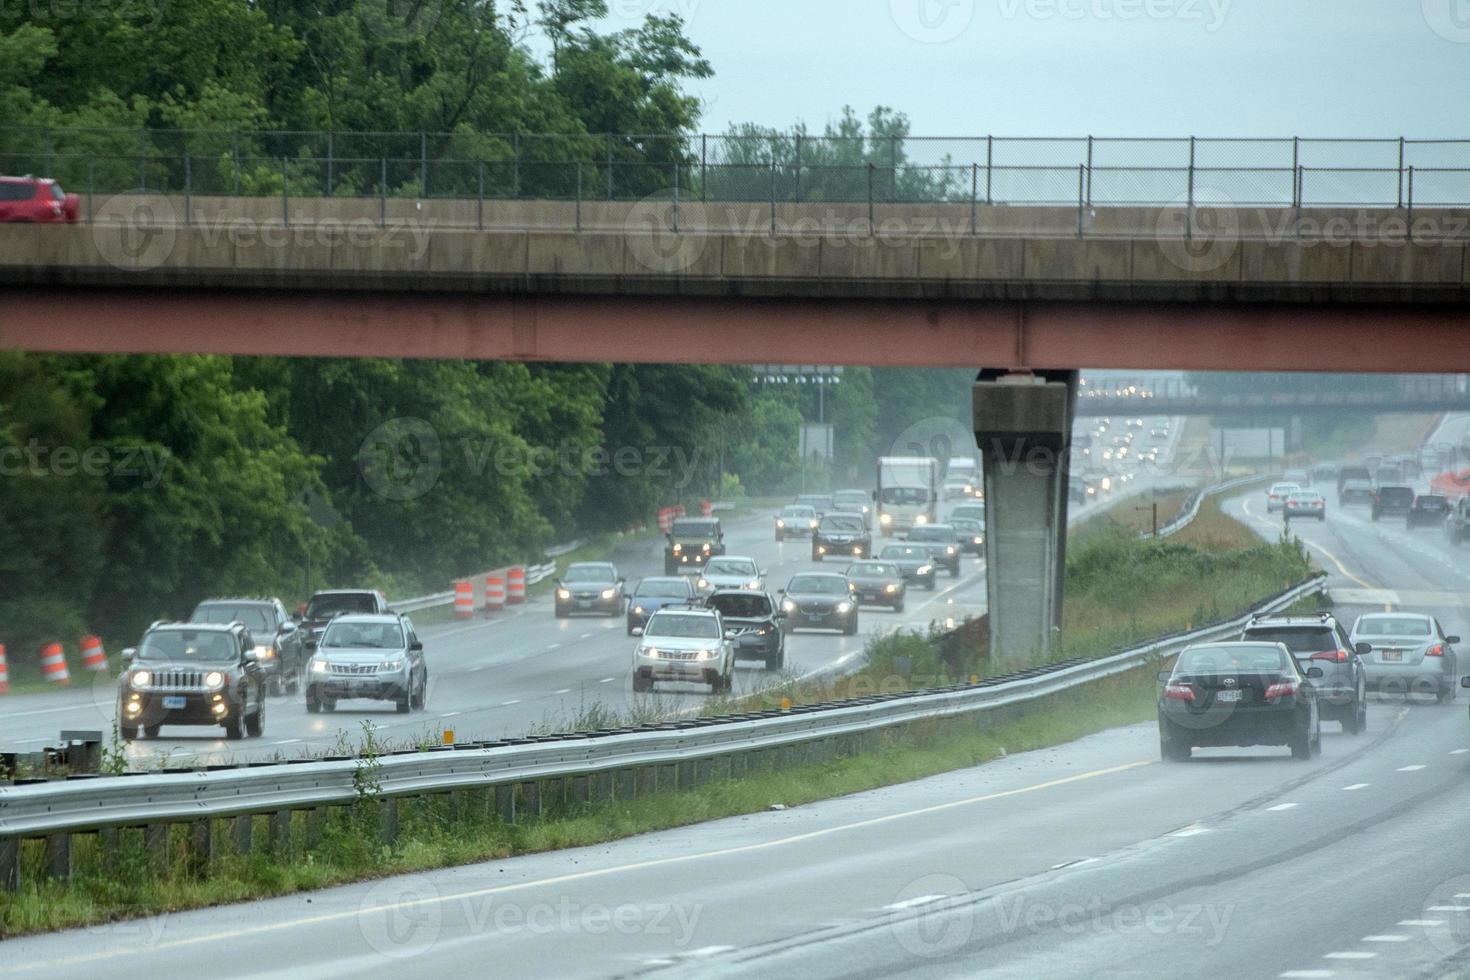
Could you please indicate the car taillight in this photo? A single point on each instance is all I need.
(1179, 692)
(1435, 651)
(1281, 689)
(1337, 656)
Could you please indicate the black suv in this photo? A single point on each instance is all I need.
(1321, 641)
(1428, 510)
(1393, 499)
(692, 541)
(843, 535)
(753, 623)
(1457, 521)
(280, 647)
(943, 544)
(192, 674)
(324, 606)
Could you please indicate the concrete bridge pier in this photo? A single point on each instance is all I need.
(1023, 427)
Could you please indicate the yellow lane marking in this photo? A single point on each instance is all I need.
(1246, 507)
(216, 937)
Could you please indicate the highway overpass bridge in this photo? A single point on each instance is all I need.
(1176, 396)
(1028, 295)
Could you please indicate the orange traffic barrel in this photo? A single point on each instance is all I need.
(706, 509)
(4, 672)
(464, 600)
(494, 591)
(517, 585)
(53, 664)
(93, 656)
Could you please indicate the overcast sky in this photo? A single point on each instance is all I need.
(1070, 67)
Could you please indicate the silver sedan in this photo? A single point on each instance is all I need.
(1406, 653)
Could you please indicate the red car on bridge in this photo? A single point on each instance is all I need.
(36, 199)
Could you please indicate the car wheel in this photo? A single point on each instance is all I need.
(126, 733)
(851, 628)
(233, 731)
(561, 613)
(329, 704)
(816, 556)
(1301, 745)
(1446, 694)
(1172, 750)
(293, 686)
(1355, 720)
(151, 731)
(277, 686)
(898, 606)
(313, 705)
(931, 585)
(255, 724)
(421, 700)
(642, 684)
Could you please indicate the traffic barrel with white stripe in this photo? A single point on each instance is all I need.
(464, 600)
(665, 519)
(53, 664)
(516, 582)
(706, 509)
(494, 592)
(4, 672)
(93, 656)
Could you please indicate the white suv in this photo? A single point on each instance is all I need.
(683, 643)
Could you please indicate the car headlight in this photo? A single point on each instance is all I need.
(678, 548)
(788, 606)
(761, 631)
(609, 593)
(812, 525)
(979, 540)
(922, 519)
(886, 519)
(821, 549)
(563, 594)
(638, 610)
(391, 665)
(704, 655)
(649, 652)
(843, 607)
(265, 653)
(754, 583)
(925, 569)
(141, 679)
(949, 549)
(706, 547)
(890, 588)
(702, 583)
(865, 508)
(318, 666)
(214, 680)
(780, 523)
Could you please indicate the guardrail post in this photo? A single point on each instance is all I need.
(155, 842)
(9, 864)
(201, 847)
(316, 819)
(531, 798)
(581, 790)
(242, 832)
(58, 856)
(388, 819)
(280, 832)
(625, 784)
(505, 802)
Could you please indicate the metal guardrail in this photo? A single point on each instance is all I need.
(1190, 511)
(534, 574)
(598, 764)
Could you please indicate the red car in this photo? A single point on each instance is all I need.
(36, 199)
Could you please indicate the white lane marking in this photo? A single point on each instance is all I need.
(909, 903)
(287, 741)
(1458, 751)
(1190, 832)
(474, 670)
(1420, 922)
(1410, 768)
(585, 635)
(1390, 938)
(1462, 894)
(1349, 955)
(449, 714)
(607, 680)
(706, 951)
(1349, 789)
(1447, 908)
(1307, 973)
(1279, 807)
(565, 690)
(507, 704)
(552, 646)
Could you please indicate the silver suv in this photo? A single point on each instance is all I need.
(377, 656)
(684, 643)
(1320, 641)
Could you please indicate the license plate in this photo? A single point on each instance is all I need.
(583, 603)
(1227, 696)
(1393, 656)
(175, 703)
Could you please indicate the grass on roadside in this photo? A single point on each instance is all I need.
(110, 884)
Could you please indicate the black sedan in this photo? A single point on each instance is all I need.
(1240, 693)
(877, 583)
(913, 561)
(970, 534)
(943, 543)
(819, 600)
(841, 535)
(1428, 510)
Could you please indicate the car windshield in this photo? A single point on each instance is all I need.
(966, 526)
(974, 512)
(1229, 659)
(900, 551)
(1284, 488)
(258, 619)
(682, 626)
(805, 512)
(740, 606)
(842, 523)
(664, 588)
(1432, 503)
(904, 495)
(323, 606)
(816, 501)
(1393, 626)
(854, 499)
(730, 566)
(872, 569)
(694, 530)
(591, 574)
(932, 532)
(1298, 639)
(375, 636)
(204, 646)
(1306, 496)
(818, 585)
(1395, 495)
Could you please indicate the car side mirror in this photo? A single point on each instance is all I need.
(729, 634)
(288, 627)
(1164, 676)
(1314, 672)
(416, 646)
(129, 653)
(311, 642)
(638, 631)
(1363, 649)
(1452, 639)
(250, 656)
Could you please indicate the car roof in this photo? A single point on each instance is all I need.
(749, 592)
(1293, 622)
(818, 575)
(193, 627)
(590, 564)
(734, 558)
(346, 592)
(239, 601)
(689, 610)
(1395, 615)
(367, 618)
